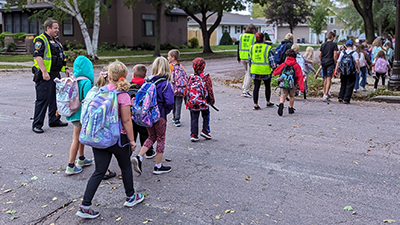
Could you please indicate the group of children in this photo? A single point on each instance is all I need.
(172, 86)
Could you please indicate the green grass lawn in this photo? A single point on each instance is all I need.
(13, 67)
(16, 58)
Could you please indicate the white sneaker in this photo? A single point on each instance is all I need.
(354, 90)
(374, 89)
(247, 95)
(362, 89)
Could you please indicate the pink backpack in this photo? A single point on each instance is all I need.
(180, 79)
(381, 65)
(67, 95)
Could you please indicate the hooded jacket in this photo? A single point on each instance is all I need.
(288, 43)
(165, 96)
(83, 67)
(290, 61)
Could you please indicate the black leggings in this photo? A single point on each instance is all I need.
(102, 158)
(257, 84)
(377, 79)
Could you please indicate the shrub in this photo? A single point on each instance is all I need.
(226, 39)
(104, 47)
(267, 38)
(11, 47)
(2, 37)
(183, 46)
(194, 42)
(74, 45)
(19, 35)
(168, 46)
(145, 46)
(73, 54)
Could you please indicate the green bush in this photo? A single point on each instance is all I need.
(168, 46)
(19, 35)
(11, 47)
(194, 42)
(145, 46)
(73, 45)
(2, 37)
(183, 46)
(73, 54)
(226, 39)
(104, 47)
(267, 38)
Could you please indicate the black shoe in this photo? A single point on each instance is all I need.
(58, 123)
(280, 109)
(37, 130)
(162, 169)
(109, 175)
(137, 164)
(256, 108)
(270, 104)
(291, 110)
(150, 154)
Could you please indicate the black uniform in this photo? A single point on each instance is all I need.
(46, 90)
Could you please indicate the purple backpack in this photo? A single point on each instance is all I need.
(180, 80)
(67, 95)
(145, 110)
(381, 65)
(101, 125)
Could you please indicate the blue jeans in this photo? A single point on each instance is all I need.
(363, 75)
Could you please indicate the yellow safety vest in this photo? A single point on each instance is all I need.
(46, 55)
(246, 40)
(259, 62)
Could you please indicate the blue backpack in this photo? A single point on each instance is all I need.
(279, 53)
(101, 126)
(145, 110)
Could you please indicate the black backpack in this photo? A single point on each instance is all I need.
(347, 65)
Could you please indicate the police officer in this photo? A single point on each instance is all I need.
(49, 60)
(246, 40)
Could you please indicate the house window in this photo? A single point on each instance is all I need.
(8, 22)
(25, 23)
(68, 26)
(238, 29)
(226, 29)
(16, 23)
(332, 20)
(148, 21)
(172, 18)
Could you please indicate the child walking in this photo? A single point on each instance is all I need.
(139, 73)
(165, 102)
(200, 96)
(83, 67)
(381, 68)
(290, 72)
(117, 72)
(309, 60)
(179, 81)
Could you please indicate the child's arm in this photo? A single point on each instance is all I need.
(210, 89)
(127, 123)
(278, 70)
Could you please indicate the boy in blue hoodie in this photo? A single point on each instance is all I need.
(83, 67)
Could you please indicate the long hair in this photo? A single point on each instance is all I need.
(117, 72)
(309, 54)
(161, 68)
(377, 42)
(361, 50)
(381, 54)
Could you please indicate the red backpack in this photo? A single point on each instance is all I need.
(196, 95)
(180, 79)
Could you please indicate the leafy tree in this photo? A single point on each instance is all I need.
(258, 11)
(226, 39)
(291, 12)
(84, 11)
(207, 8)
(318, 21)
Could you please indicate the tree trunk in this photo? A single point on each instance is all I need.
(366, 13)
(96, 29)
(85, 34)
(369, 27)
(158, 30)
(206, 42)
(318, 39)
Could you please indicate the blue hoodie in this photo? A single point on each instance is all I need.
(83, 67)
(165, 97)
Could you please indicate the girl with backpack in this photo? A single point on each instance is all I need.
(83, 68)
(165, 102)
(363, 55)
(117, 72)
(309, 60)
(381, 68)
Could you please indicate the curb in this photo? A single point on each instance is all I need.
(386, 98)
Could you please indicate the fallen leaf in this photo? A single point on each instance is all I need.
(190, 148)
(269, 124)
(349, 208)
(356, 162)
(44, 206)
(248, 178)
(361, 105)
(227, 211)
(389, 221)
(118, 219)
(8, 190)
(114, 188)
(14, 113)
(9, 202)
(55, 198)
(218, 217)
(34, 178)
(11, 211)
(372, 146)
(147, 204)
(168, 160)
(354, 213)
(50, 168)
(148, 220)
(295, 126)
(49, 155)
(14, 217)
(145, 194)
(119, 176)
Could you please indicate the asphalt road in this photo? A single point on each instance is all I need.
(295, 169)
